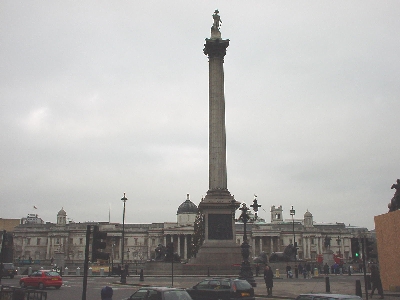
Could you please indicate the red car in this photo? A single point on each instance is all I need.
(42, 279)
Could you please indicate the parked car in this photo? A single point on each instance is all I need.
(42, 279)
(9, 270)
(160, 293)
(327, 297)
(222, 288)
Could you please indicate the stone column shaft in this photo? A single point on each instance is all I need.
(217, 135)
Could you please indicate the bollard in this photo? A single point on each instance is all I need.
(316, 272)
(123, 276)
(78, 271)
(141, 275)
(277, 275)
(358, 288)
(327, 285)
(90, 271)
(66, 271)
(101, 271)
(29, 271)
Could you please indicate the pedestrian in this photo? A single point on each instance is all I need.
(257, 269)
(300, 268)
(269, 279)
(326, 269)
(106, 293)
(308, 267)
(288, 271)
(376, 281)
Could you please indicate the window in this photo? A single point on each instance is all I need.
(290, 241)
(136, 241)
(81, 241)
(57, 241)
(312, 241)
(28, 241)
(71, 241)
(38, 242)
(153, 242)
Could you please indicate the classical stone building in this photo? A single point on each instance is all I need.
(42, 242)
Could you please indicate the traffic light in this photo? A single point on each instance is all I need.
(97, 245)
(370, 249)
(355, 248)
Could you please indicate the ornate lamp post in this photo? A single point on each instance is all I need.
(292, 213)
(245, 269)
(123, 273)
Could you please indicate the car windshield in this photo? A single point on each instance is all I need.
(176, 295)
(52, 273)
(8, 266)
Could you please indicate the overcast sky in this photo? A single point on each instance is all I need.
(98, 98)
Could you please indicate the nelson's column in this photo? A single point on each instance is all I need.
(218, 206)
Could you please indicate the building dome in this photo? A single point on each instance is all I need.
(62, 212)
(307, 214)
(187, 207)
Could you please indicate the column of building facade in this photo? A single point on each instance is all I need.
(271, 245)
(260, 249)
(149, 248)
(48, 248)
(185, 254)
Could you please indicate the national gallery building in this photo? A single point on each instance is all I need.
(44, 241)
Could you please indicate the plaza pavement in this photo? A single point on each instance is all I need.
(284, 288)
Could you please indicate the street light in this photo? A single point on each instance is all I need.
(292, 213)
(245, 269)
(338, 242)
(123, 273)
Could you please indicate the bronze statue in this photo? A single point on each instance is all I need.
(395, 202)
(217, 19)
(327, 242)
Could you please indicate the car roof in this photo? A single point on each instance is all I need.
(160, 288)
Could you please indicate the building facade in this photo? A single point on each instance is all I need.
(43, 242)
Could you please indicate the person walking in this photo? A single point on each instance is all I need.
(288, 271)
(376, 281)
(106, 293)
(269, 279)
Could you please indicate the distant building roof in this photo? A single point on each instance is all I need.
(187, 207)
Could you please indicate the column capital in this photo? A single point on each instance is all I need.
(215, 47)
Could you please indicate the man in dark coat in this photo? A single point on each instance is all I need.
(269, 279)
(376, 281)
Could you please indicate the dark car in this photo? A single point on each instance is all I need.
(222, 288)
(42, 279)
(327, 297)
(9, 270)
(160, 293)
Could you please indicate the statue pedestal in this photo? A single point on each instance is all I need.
(328, 257)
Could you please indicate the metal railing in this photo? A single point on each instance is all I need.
(15, 293)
